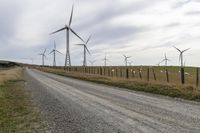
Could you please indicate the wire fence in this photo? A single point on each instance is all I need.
(173, 75)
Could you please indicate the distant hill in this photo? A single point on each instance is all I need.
(4, 64)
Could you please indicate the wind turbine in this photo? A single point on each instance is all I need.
(85, 49)
(126, 59)
(92, 62)
(54, 51)
(68, 29)
(181, 55)
(105, 60)
(43, 56)
(182, 65)
(165, 59)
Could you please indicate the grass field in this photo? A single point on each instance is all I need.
(140, 73)
(17, 113)
(188, 92)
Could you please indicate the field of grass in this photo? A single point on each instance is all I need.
(188, 92)
(17, 113)
(140, 73)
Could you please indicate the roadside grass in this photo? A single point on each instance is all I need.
(187, 92)
(17, 113)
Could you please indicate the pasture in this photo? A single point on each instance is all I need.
(153, 74)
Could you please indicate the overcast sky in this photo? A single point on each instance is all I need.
(143, 29)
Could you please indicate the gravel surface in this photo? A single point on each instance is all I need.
(75, 106)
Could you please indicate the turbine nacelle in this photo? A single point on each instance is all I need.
(181, 54)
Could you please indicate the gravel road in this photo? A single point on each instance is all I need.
(75, 106)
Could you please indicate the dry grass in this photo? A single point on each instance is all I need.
(133, 71)
(173, 90)
(10, 74)
(17, 113)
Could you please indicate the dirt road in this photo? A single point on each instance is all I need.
(72, 105)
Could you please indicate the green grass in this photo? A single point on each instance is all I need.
(17, 113)
(172, 90)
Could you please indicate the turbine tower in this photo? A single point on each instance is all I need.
(165, 59)
(43, 56)
(68, 29)
(126, 59)
(181, 55)
(105, 60)
(54, 51)
(84, 50)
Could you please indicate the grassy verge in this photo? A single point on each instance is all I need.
(17, 113)
(171, 90)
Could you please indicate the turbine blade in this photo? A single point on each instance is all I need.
(44, 51)
(70, 21)
(177, 49)
(186, 50)
(59, 52)
(58, 30)
(89, 39)
(76, 34)
(51, 51)
(87, 49)
(162, 61)
(80, 44)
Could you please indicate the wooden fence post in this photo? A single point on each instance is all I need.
(133, 73)
(121, 72)
(167, 75)
(148, 74)
(154, 75)
(127, 74)
(182, 75)
(197, 77)
(101, 71)
(112, 72)
(116, 73)
(140, 73)
(108, 71)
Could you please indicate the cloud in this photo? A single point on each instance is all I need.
(123, 26)
(181, 3)
(9, 13)
(193, 13)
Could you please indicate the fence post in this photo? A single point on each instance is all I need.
(112, 72)
(140, 73)
(133, 73)
(109, 70)
(197, 77)
(148, 74)
(127, 74)
(120, 72)
(167, 75)
(154, 75)
(182, 75)
(100, 71)
(116, 73)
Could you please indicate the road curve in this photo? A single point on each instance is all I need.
(77, 106)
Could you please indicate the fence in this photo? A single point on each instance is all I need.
(174, 75)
